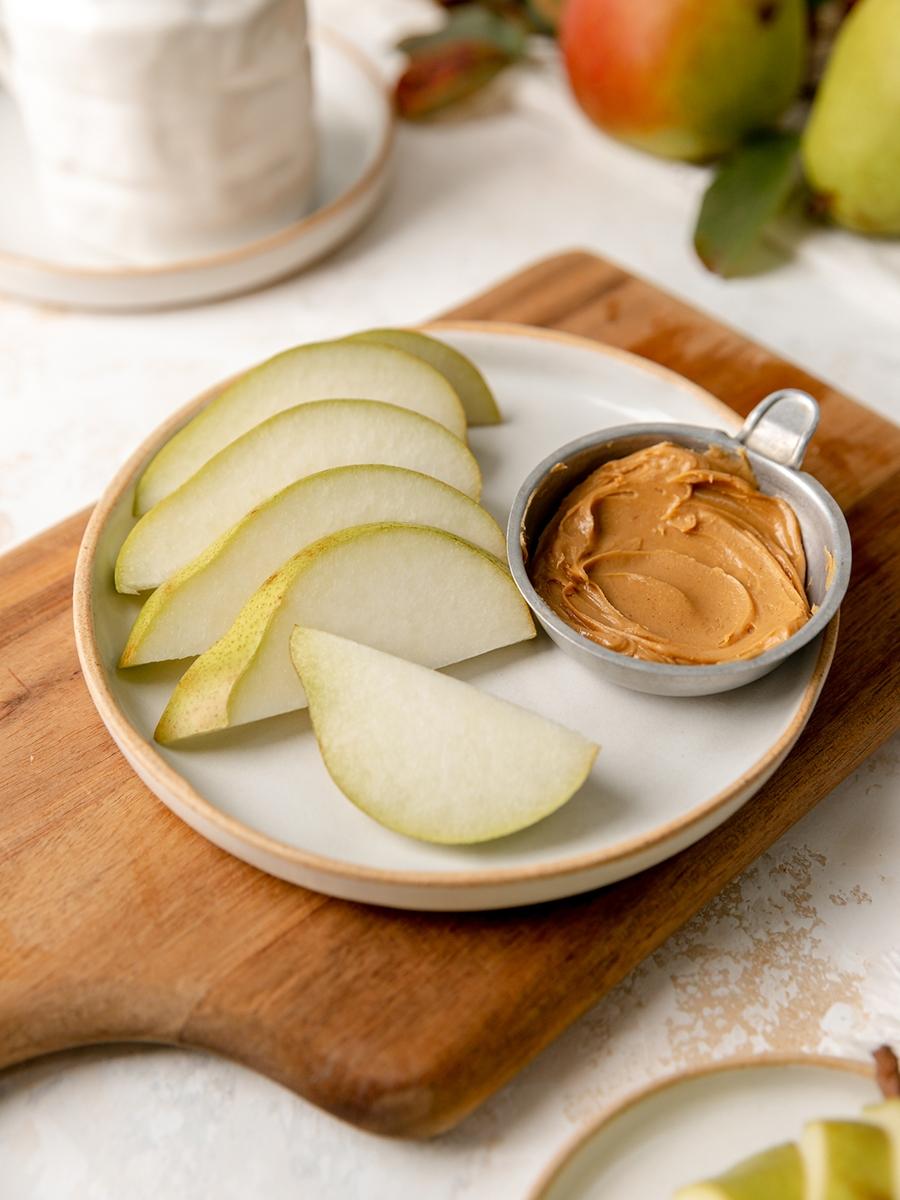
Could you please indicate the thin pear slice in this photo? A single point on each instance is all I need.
(775, 1174)
(287, 447)
(321, 371)
(197, 605)
(427, 755)
(411, 590)
(846, 1160)
(459, 371)
(887, 1116)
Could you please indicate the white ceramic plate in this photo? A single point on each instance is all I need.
(355, 124)
(700, 1123)
(669, 771)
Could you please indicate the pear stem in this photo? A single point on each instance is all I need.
(887, 1072)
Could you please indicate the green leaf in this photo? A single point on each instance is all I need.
(545, 15)
(751, 186)
(472, 23)
(439, 77)
(476, 42)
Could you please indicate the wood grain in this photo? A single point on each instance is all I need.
(120, 923)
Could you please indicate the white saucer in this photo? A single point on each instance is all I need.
(699, 1123)
(669, 771)
(355, 124)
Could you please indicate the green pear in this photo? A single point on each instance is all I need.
(322, 371)
(427, 755)
(851, 144)
(197, 605)
(846, 1160)
(463, 376)
(887, 1116)
(775, 1174)
(297, 442)
(411, 590)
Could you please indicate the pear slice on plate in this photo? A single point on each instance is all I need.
(427, 755)
(460, 372)
(281, 450)
(886, 1115)
(196, 606)
(322, 371)
(846, 1160)
(411, 590)
(775, 1174)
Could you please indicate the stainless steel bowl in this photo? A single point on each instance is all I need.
(774, 437)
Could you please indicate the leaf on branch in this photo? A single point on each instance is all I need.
(752, 185)
(545, 15)
(446, 66)
(472, 23)
(438, 78)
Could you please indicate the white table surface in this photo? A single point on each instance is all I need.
(796, 954)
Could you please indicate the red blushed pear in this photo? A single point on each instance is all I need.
(684, 78)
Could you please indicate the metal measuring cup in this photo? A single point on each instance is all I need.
(774, 438)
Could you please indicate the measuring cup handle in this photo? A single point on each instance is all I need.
(781, 425)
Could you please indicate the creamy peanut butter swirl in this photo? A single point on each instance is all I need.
(675, 556)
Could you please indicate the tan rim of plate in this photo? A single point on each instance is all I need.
(620, 1108)
(154, 766)
(259, 245)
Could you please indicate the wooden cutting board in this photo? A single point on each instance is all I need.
(120, 923)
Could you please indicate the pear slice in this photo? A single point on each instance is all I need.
(846, 1160)
(415, 591)
(287, 447)
(322, 371)
(886, 1115)
(775, 1174)
(462, 374)
(427, 755)
(196, 606)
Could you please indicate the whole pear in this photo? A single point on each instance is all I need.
(684, 78)
(851, 144)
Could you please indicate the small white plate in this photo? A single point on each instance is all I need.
(355, 124)
(670, 770)
(699, 1123)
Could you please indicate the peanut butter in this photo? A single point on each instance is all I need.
(675, 556)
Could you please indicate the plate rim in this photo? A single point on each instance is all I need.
(294, 230)
(169, 780)
(618, 1108)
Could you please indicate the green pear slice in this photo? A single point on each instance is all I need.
(427, 755)
(197, 605)
(775, 1174)
(887, 1116)
(460, 372)
(286, 447)
(846, 1160)
(322, 371)
(411, 590)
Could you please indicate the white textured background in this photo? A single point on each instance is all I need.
(796, 954)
